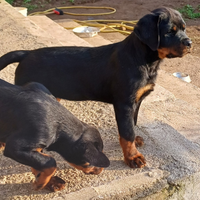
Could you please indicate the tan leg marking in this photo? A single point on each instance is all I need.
(42, 177)
(132, 157)
(58, 99)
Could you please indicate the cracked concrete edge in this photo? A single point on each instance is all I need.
(189, 188)
(134, 187)
(154, 185)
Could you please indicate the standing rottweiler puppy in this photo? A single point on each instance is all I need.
(122, 74)
(32, 120)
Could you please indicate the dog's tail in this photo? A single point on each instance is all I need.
(12, 57)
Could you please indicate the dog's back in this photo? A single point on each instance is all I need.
(21, 108)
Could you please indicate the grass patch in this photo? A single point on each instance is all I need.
(30, 6)
(26, 3)
(189, 12)
(10, 1)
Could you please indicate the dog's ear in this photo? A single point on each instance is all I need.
(147, 30)
(96, 158)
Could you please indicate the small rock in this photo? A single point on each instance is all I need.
(152, 174)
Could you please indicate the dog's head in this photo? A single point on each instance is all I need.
(88, 153)
(164, 31)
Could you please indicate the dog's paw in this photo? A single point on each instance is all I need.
(55, 184)
(136, 161)
(139, 141)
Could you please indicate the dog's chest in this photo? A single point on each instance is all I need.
(147, 82)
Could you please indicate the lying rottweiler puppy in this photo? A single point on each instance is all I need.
(122, 74)
(32, 120)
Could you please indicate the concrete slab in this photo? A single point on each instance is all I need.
(65, 37)
(113, 36)
(175, 112)
(18, 32)
(181, 89)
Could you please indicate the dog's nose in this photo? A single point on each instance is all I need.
(187, 42)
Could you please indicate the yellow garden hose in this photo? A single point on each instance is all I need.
(50, 11)
(107, 26)
(104, 25)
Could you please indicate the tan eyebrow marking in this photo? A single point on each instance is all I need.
(183, 25)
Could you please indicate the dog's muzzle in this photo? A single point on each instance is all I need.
(187, 42)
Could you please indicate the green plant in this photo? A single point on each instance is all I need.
(10, 1)
(31, 7)
(27, 1)
(189, 12)
(71, 1)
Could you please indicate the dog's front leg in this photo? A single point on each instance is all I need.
(124, 116)
(42, 165)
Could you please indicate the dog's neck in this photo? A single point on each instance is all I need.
(141, 50)
(145, 58)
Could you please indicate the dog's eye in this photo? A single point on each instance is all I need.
(172, 31)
